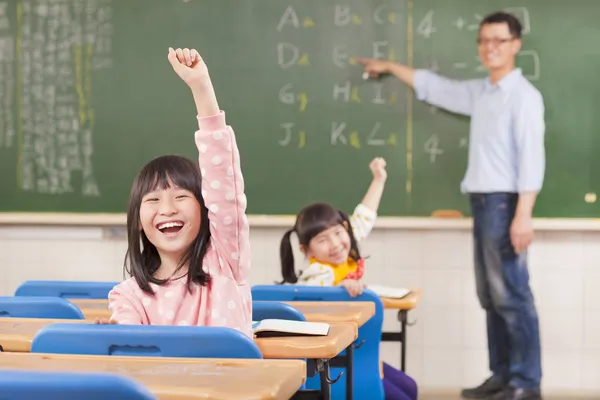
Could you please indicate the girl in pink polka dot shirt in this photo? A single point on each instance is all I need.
(189, 250)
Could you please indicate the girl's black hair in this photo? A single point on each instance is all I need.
(312, 220)
(141, 262)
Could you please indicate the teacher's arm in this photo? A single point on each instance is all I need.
(453, 95)
(529, 130)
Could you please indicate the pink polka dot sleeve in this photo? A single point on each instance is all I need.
(125, 305)
(223, 193)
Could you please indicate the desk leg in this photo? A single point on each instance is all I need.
(325, 383)
(350, 372)
(321, 367)
(346, 362)
(402, 317)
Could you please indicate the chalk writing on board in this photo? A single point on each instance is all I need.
(340, 56)
(337, 132)
(62, 42)
(343, 16)
(522, 15)
(383, 15)
(289, 55)
(287, 127)
(346, 91)
(434, 67)
(475, 26)
(535, 72)
(432, 148)
(7, 80)
(287, 96)
(378, 97)
(379, 49)
(289, 17)
(288, 130)
(460, 23)
(464, 142)
(426, 27)
(373, 139)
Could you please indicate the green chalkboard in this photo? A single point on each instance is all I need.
(88, 97)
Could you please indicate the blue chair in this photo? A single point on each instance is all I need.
(66, 289)
(275, 310)
(366, 379)
(34, 385)
(145, 340)
(39, 307)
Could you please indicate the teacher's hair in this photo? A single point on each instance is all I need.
(514, 25)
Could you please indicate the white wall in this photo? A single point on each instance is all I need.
(447, 346)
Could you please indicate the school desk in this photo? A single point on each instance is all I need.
(180, 378)
(403, 305)
(93, 309)
(357, 312)
(16, 334)
(319, 350)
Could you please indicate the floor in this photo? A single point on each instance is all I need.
(455, 396)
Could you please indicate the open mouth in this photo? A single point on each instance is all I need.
(170, 228)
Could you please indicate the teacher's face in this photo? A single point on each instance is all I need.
(497, 47)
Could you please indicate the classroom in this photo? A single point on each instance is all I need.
(406, 185)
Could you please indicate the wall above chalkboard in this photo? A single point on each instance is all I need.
(88, 97)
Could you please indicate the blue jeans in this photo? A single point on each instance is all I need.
(502, 282)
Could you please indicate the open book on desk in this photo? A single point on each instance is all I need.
(388, 291)
(284, 327)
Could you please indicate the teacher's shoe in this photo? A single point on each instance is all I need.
(511, 393)
(490, 387)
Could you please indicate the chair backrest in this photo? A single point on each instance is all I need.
(367, 379)
(35, 385)
(275, 310)
(38, 307)
(66, 289)
(145, 340)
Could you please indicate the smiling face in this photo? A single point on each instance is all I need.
(330, 246)
(170, 219)
(497, 47)
(167, 221)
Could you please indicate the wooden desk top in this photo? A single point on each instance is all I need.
(93, 309)
(16, 334)
(181, 378)
(408, 302)
(91, 304)
(341, 335)
(358, 312)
